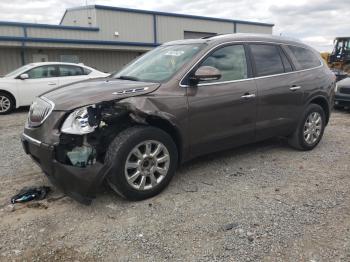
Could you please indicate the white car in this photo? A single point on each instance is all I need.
(20, 87)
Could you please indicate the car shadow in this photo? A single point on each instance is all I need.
(23, 109)
(209, 159)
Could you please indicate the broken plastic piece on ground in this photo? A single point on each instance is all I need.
(30, 193)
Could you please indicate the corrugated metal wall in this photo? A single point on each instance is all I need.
(10, 59)
(105, 61)
(131, 27)
(11, 31)
(247, 28)
(63, 34)
(172, 28)
(85, 18)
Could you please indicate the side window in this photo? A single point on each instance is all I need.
(231, 62)
(68, 70)
(267, 59)
(305, 58)
(287, 65)
(42, 72)
(86, 71)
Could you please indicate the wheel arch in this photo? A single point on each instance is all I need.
(170, 129)
(11, 95)
(322, 102)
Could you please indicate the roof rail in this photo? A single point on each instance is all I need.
(210, 36)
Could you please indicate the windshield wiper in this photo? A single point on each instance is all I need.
(132, 78)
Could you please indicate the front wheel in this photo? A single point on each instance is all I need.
(143, 160)
(6, 104)
(310, 129)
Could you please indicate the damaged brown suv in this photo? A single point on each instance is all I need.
(181, 100)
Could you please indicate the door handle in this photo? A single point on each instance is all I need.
(52, 84)
(294, 88)
(247, 96)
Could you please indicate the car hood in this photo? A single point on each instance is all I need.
(96, 90)
(344, 83)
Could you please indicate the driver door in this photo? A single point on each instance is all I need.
(40, 80)
(222, 113)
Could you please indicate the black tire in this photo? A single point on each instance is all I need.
(117, 156)
(11, 101)
(297, 139)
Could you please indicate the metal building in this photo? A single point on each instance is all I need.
(106, 37)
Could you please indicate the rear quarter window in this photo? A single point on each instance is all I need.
(267, 59)
(304, 58)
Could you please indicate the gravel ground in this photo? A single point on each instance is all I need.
(262, 202)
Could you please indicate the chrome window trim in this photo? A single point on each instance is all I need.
(32, 140)
(250, 78)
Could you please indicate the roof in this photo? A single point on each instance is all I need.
(121, 9)
(241, 37)
(54, 63)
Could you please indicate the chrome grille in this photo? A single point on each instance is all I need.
(344, 90)
(40, 109)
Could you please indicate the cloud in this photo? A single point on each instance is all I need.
(316, 22)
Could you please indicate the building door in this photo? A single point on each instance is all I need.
(40, 58)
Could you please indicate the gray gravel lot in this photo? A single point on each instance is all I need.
(262, 202)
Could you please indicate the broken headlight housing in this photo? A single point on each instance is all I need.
(78, 122)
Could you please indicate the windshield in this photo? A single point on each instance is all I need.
(159, 64)
(18, 70)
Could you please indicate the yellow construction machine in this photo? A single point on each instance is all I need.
(339, 59)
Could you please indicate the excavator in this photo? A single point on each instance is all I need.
(339, 59)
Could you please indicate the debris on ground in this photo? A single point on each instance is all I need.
(30, 193)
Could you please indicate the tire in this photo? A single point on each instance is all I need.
(120, 153)
(7, 104)
(298, 140)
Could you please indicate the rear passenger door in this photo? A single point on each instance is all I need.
(279, 93)
(222, 112)
(70, 74)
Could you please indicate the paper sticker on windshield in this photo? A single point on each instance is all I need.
(175, 53)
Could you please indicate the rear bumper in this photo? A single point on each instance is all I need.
(79, 183)
(342, 99)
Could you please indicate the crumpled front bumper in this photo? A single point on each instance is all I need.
(79, 183)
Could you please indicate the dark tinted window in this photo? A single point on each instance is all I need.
(67, 70)
(42, 72)
(304, 58)
(231, 62)
(286, 63)
(267, 60)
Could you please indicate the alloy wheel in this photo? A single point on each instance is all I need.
(147, 165)
(312, 128)
(5, 104)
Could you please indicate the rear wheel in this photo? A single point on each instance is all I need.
(6, 104)
(310, 129)
(143, 160)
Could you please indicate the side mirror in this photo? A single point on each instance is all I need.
(23, 76)
(206, 73)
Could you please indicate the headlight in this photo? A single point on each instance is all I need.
(336, 88)
(77, 123)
